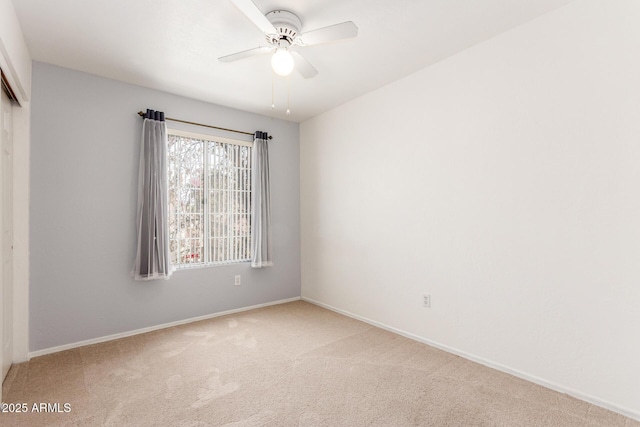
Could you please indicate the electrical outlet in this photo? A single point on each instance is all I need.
(426, 300)
(237, 280)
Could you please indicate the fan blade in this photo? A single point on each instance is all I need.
(303, 66)
(345, 30)
(254, 14)
(246, 53)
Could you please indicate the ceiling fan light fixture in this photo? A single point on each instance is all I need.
(282, 62)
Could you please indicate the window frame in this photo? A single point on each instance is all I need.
(207, 235)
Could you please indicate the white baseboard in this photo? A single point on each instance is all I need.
(154, 328)
(516, 373)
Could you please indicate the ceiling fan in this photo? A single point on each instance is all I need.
(282, 31)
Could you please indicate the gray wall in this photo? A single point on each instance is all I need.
(84, 164)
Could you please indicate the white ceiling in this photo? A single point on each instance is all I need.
(173, 45)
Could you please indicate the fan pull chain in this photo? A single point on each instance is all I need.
(288, 96)
(273, 77)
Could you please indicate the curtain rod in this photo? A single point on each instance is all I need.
(141, 114)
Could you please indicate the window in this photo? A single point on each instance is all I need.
(209, 199)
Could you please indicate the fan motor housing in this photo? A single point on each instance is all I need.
(287, 23)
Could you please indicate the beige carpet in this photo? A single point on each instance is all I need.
(288, 365)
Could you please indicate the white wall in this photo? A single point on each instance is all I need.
(15, 62)
(84, 168)
(504, 182)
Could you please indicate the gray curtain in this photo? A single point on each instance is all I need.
(153, 259)
(262, 254)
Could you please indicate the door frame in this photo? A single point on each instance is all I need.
(6, 235)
